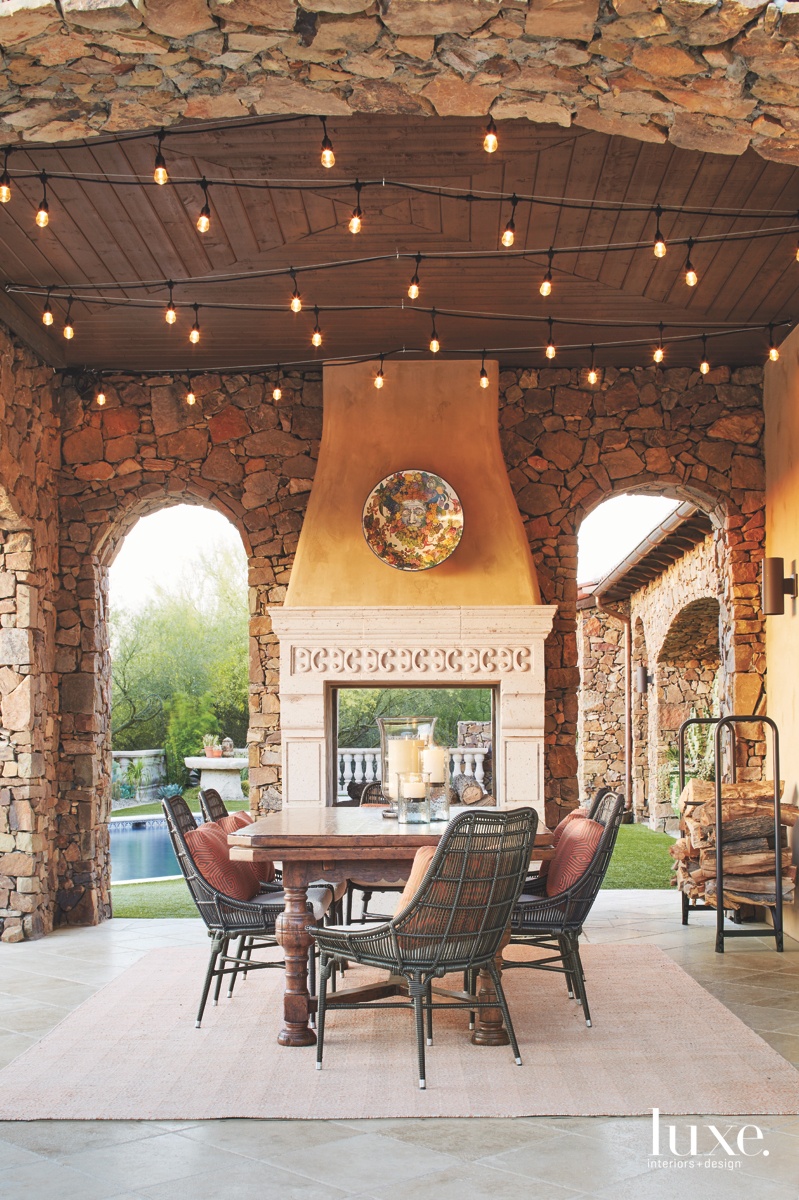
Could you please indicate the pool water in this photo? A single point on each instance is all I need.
(144, 853)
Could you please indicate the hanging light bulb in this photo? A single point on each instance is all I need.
(435, 344)
(413, 286)
(773, 352)
(204, 219)
(704, 366)
(101, 398)
(593, 374)
(5, 181)
(194, 335)
(43, 215)
(797, 251)
(277, 391)
(660, 352)
(355, 220)
(160, 173)
(660, 241)
(170, 316)
(328, 157)
(191, 399)
(490, 141)
(546, 283)
(379, 377)
(296, 299)
(47, 312)
(484, 380)
(316, 336)
(509, 236)
(550, 350)
(691, 277)
(69, 328)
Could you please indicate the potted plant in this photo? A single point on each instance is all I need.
(211, 746)
(134, 775)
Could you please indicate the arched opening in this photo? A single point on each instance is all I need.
(178, 633)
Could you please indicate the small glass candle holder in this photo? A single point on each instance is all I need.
(438, 799)
(413, 807)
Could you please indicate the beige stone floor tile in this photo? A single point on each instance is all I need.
(57, 1139)
(364, 1162)
(245, 1179)
(145, 1162)
(570, 1161)
(465, 1138)
(266, 1139)
(13, 1044)
(40, 1181)
(471, 1182)
(699, 1184)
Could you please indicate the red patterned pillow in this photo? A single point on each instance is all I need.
(575, 852)
(209, 849)
(231, 824)
(576, 814)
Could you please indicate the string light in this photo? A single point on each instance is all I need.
(5, 180)
(43, 215)
(316, 336)
(204, 219)
(660, 352)
(484, 380)
(69, 328)
(550, 350)
(191, 399)
(546, 283)
(435, 344)
(296, 299)
(660, 241)
(194, 336)
(379, 377)
(160, 172)
(490, 141)
(773, 352)
(328, 157)
(47, 312)
(277, 391)
(509, 236)
(704, 366)
(593, 374)
(355, 220)
(170, 316)
(413, 286)
(101, 398)
(691, 277)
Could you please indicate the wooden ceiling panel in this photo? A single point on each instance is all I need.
(130, 233)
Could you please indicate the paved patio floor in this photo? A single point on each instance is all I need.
(40, 982)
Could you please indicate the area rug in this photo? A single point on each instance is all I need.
(659, 1040)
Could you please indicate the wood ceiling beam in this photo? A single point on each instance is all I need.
(33, 335)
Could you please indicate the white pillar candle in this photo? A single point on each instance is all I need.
(413, 791)
(403, 755)
(434, 763)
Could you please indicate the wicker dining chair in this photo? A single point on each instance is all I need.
(454, 923)
(214, 808)
(371, 797)
(251, 921)
(554, 923)
(536, 882)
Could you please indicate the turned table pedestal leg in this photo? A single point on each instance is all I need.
(290, 931)
(490, 1029)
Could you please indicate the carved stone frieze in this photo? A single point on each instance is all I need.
(402, 660)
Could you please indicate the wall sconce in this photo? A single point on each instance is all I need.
(643, 679)
(775, 586)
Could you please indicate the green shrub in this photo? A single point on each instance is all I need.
(189, 719)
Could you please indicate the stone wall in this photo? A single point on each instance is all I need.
(600, 723)
(31, 820)
(716, 77)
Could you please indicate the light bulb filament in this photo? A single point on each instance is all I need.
(490, 141)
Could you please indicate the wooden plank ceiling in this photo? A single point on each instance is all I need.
(131, 232)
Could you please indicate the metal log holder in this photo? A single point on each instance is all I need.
(686, 903)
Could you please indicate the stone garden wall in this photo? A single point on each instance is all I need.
(567, 447)
(716, 77)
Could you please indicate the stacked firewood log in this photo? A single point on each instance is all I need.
(748, 844)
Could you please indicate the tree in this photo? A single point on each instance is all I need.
(189, 719)
(359, 708)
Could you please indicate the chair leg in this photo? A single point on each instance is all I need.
(367, 896)
(579, 978)
(238, 952)
(418, 1004)
(321, 1009)
(471, 984)
(564, 954)
(350, 890)
(429, 1002)
(247, 956)
(496, 979)
(216, 946)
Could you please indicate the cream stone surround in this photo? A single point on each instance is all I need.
(323, 648)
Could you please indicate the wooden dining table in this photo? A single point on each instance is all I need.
(336, 844)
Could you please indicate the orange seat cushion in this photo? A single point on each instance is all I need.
(575, 852)
(209, 849)
(422, 860)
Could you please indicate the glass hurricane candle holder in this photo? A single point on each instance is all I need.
(413, 807)
(438, 800)
(401, 742)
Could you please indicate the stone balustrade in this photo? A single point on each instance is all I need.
(361, 764)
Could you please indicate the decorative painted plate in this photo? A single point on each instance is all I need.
(412, 520)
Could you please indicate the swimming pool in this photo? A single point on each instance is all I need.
(141, 849)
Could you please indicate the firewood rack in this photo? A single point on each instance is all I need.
(728, 724)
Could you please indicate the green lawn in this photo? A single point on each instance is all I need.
(640, 860)
(155, 810)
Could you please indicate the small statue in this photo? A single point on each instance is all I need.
(228, 749)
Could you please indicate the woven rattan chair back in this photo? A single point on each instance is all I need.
(462, 909)
(212, 805)
(373, 795)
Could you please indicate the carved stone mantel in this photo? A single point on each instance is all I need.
(323, 648)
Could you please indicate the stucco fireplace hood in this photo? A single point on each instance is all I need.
(351, 620)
